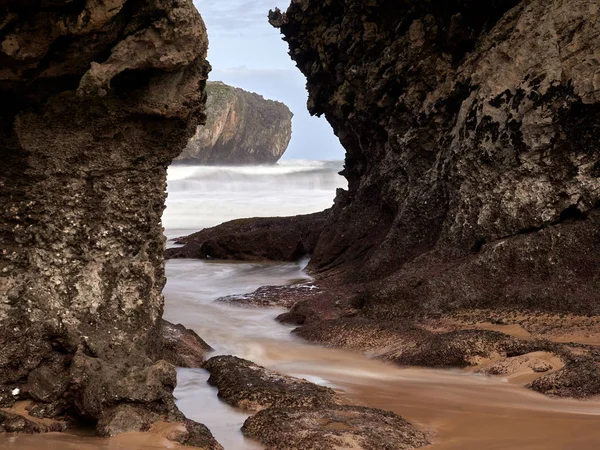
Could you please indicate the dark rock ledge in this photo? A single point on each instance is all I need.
(269, 239)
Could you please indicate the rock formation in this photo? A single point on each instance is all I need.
(183, 347)
(97, 98)
(245, 385)
(241, 128)
(333, 427)
(278, 239)
(471, 131)
(295, 414)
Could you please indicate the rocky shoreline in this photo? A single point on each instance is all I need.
(491, 342)
(295, 414)
(468, 236)
(470, 133)
(98, 98)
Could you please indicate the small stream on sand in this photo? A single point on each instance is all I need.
(462, 411)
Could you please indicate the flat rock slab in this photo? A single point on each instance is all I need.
(333, 427)
(246, 385)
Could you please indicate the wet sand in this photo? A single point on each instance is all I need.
(460, 410)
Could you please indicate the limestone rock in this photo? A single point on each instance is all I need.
(333, 427)
(248, 386)
(471, 132)
(276, 239)
(98, 97)
(182, 347)
(241, 128)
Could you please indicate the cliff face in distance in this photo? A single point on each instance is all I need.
(97, 99)
(241, 128)
(471, 131)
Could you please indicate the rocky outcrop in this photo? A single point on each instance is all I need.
(296, 414)
(241, 128)
(98, 98)
(331, 428)
(284, 296)
(262, 239)
(182, 347)
(471, 131)
(245, 385)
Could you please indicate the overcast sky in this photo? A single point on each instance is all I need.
(245, 51)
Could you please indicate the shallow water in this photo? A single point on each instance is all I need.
(461, 411)
(202, 197)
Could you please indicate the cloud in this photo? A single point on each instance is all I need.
(240, 15)
(245, 51)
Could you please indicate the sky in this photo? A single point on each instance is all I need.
(245, 51)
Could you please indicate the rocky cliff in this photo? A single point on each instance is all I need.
(241, 128)
(471, 131)
(97, 98)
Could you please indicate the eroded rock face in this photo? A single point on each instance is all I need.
(471, 131)
(241, 128)
(97, 98)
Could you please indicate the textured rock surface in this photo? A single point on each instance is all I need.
(297, 414)
(248, 386)
(182, 347)
(333, 427)
(278, 239)
(97, 98)
(196, 435)
(273, 296)
(471, 131)
(241, 128)
(580, 378)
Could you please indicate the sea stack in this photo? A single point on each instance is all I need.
(242, 128)
(98, 98)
